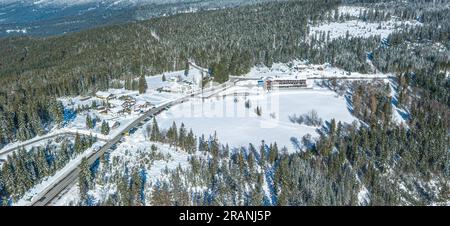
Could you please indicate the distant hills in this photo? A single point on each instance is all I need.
(55, 17)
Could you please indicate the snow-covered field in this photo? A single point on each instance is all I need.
(238, 126)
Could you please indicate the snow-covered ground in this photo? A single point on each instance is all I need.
(353, 11)
(194, 76)
(399, 115)
(22, 31)
(238, 126)
(134, 152)
(303, 69)
(363, 196)
(358, 28)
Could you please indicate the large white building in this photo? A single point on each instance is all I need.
(285, 82)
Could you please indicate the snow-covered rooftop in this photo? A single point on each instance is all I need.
(103, 94)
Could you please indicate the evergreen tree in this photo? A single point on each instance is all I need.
(142, 84)
(182, 137)
(262, 154)
(84, 180)
(172, 135)
(78, 146)
(191, 142)
(89, 122)
(186, 69)
(273, 154)
(105, 128)
(155, 134)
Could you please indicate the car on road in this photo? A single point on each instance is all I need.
(133, 130)
(42, 199)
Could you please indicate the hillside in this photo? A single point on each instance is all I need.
(45, 18)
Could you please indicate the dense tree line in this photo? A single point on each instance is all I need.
(179, 138)
(26, 168)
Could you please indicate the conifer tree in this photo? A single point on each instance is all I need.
(155, 134)
(105, 128)
(142, 84)
(182, 137)
(89, 122)
(84, 180)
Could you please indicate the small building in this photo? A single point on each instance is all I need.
(116, 102)
(141, 106)
(301, 67)
(115, 125)
(126, 98)
(101, 108)
(104, 95)
(174, 79)
(117, 110)
(84, 98)
(176, 88)
(104, 112)
(129, 103)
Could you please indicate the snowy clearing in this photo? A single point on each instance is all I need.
(356, 28)
(238, 126)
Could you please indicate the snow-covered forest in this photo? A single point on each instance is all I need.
(381, 138)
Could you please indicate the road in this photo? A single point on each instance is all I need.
(322, 77)
(70, 178)
(24, 144)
